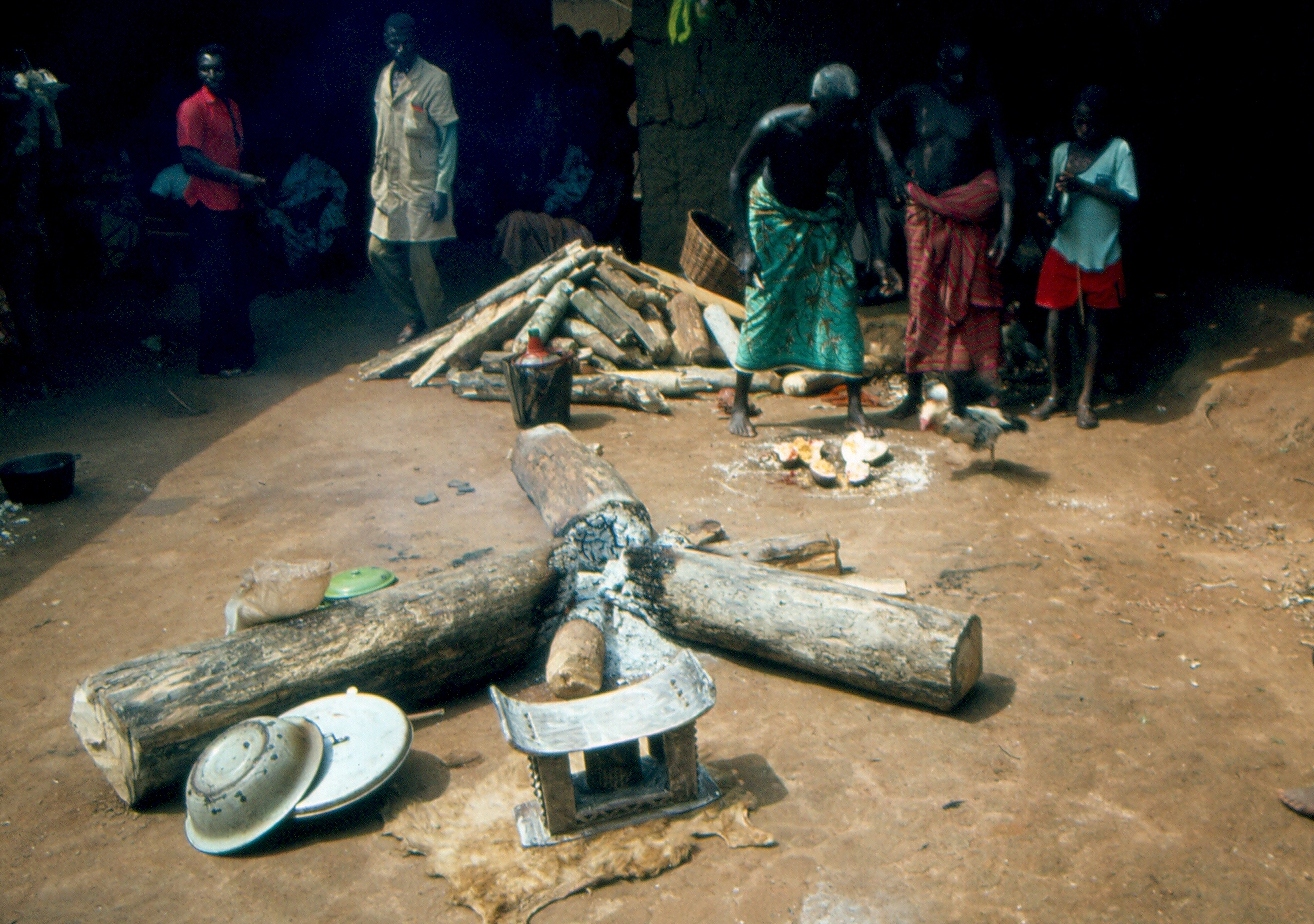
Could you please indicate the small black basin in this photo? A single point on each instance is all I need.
(38, 479)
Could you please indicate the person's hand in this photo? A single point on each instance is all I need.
(746, 259)
(999, 249)
(891, 281)
(249, 182)
(1069, 183)
(899, 181)
(438, 205)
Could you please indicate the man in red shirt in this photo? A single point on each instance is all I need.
(211, 141)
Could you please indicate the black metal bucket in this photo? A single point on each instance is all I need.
(39, 479)
(541, 393)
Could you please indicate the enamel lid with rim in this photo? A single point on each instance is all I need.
(366, 739)
(358, 581)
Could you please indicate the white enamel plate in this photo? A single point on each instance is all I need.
(366, 739)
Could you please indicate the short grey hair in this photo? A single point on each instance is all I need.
(835, 81)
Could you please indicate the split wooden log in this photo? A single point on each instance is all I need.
(723, 330)
(814, 554)
(145, 721)
(581, 276)
(852, 636)
(629, 317)
(635, 358)
(493, 361)
(689, 337)
(496, 323)
(403, 359)
(702, 296)
(597, 313)
(634, 272)
(655, 299)
(601, 345)
(798, 384)
(575, 660)
(610, 390)
(683, 381)
(547, 315)
(567, 482)
(622, 285)
(399, 361)
(661, 350)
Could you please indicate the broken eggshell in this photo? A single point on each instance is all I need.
(823, 471)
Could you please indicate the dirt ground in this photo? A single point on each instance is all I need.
(1140, 586)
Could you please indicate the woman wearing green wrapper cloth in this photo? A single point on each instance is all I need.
(801, 295)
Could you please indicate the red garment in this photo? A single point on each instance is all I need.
(954, 291)
(1062, 281)
(973, 343)
(213, 127)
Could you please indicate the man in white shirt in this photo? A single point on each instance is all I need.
(411, 183)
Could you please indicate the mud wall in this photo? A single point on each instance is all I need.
(697, 103)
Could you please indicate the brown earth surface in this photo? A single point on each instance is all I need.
(1147, 654)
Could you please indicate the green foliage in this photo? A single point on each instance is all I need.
(679, 26)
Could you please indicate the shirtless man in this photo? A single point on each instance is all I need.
(801, 298)
(951, 180)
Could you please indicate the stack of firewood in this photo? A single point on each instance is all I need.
(640, 335)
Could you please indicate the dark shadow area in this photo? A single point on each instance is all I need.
(301, 338)
(117, 386)
(757, 776)
(1018, 473)
(992, 694)
(422, 778)
(589, 420)
(1225, 327)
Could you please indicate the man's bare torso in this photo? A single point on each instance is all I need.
(801, 155)
(952, 142)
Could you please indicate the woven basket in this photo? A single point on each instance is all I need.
(705, 257)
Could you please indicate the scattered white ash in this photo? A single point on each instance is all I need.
(907, 472)
(11, 517)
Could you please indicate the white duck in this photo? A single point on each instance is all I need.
(979, 428)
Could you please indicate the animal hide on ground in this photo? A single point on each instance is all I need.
(470, 838)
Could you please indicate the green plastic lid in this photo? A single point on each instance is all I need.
(358, 581)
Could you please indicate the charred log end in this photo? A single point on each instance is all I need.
(646, 568)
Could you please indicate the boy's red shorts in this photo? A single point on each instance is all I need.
(1060, 281)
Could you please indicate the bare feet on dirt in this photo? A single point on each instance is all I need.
(739, 423)
(859, 421)
(1045, 409)
(1086, 418)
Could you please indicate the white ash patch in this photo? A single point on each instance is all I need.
(1077, 503)
(12, 518)
(907, 472)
